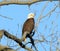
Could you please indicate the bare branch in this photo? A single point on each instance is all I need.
(10, 36)
(50, 11)
(40, 17)
(29, 2)
(5, 48)
(6, 17)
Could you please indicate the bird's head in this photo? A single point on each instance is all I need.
(31, 15)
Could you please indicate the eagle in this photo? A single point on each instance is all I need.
(28, 27)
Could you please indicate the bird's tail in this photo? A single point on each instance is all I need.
(24, 36)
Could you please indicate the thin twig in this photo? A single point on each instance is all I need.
(40, 17)
(6, 17)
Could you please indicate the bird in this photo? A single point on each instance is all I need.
(28, 27)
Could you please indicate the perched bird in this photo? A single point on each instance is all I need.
(28, 27)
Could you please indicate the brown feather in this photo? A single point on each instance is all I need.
(27, 30)
(28, 25)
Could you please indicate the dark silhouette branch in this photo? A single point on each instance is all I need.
(10, 36)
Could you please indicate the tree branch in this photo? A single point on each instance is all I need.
(5, 48)
(10, 36)
(41, 16)
(29, 2)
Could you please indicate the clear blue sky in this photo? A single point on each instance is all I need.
(19, 14)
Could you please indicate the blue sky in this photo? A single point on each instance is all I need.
(19, 13)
